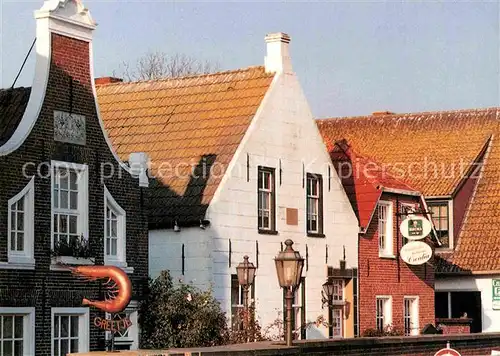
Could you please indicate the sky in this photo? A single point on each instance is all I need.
(351, 57)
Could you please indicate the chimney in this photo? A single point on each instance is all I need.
(278, 58)
(382, 113)
(107, 80)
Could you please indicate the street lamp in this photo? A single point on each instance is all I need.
(327, 298)
(289, 266)
(246, 274)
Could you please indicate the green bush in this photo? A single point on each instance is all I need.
(176, 316)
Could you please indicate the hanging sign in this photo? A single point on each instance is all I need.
(496, 294)
(415, 227)
(416, 253)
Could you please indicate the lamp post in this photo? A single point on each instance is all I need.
(289, 266)
(327, 298)
(246, 275)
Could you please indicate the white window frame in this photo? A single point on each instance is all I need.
(387, 310)
(450, 220)
(414, 314)
(338, 284)
(121, 259)
(388, 250)
(340, 327)
(83, 326)
(316, 200)
(269, 195)
(28, 326)
(83, 200)
(26, 256)
(132, 337)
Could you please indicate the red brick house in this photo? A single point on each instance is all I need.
(392, 294)
(452, 158)
(65, 197)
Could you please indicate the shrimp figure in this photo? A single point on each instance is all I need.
(118, 285)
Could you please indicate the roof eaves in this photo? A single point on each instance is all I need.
(401, 191)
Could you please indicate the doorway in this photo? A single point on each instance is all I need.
(460, 304)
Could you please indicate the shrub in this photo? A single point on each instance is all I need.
(176, 316)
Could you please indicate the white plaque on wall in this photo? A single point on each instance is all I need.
(69, 128)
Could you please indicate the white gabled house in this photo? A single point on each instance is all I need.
(239, 167)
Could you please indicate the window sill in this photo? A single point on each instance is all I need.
(119, 264)
(26, 265)
(268, 232)
(444, 249)
(387, 256)
(58, 263)
(315, 234)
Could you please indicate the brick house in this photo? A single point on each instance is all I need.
(240, 167)
(392, 294)
(452, 158)
(65, 198)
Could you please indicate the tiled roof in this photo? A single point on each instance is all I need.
(426, 149)
(364, 187)
(446, 143)
(181, 123)
(12, 106)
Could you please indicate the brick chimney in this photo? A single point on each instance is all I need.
(278, 58)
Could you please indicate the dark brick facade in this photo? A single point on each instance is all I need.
(69, 89)
(392, 276)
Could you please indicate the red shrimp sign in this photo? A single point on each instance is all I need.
(118, 294)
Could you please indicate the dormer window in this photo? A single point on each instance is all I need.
(441, 217)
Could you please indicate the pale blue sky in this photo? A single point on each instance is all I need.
(352, 58)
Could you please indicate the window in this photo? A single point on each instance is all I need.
(237, 301)
(314, 205)
(338, 290)
(114, 231)
(411, 315)
(298, 311)
(336, 322)
(266, 200)
(383, 317)
(17, 331)
(70, 330)
(127, 339)
(21, 225)
(384, 210)
(441, 220)
(69, 202)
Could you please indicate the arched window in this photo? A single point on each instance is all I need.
(21, 225)
(114, 231)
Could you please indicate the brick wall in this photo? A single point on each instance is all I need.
(391, 276)
(43, 288)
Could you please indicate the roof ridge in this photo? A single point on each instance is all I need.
(192, 76)
(455, 111)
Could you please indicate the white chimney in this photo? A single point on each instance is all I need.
(138, 163)
(278, 58)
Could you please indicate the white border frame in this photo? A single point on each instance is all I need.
(83, 196)
(27, 257)
(28, 324)
(387, 309)
(415, 316)
(121, 261)
(389, 249)
(83, 326)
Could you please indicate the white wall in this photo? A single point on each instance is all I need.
(165, 253)
(490, 317)
(283, 128)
